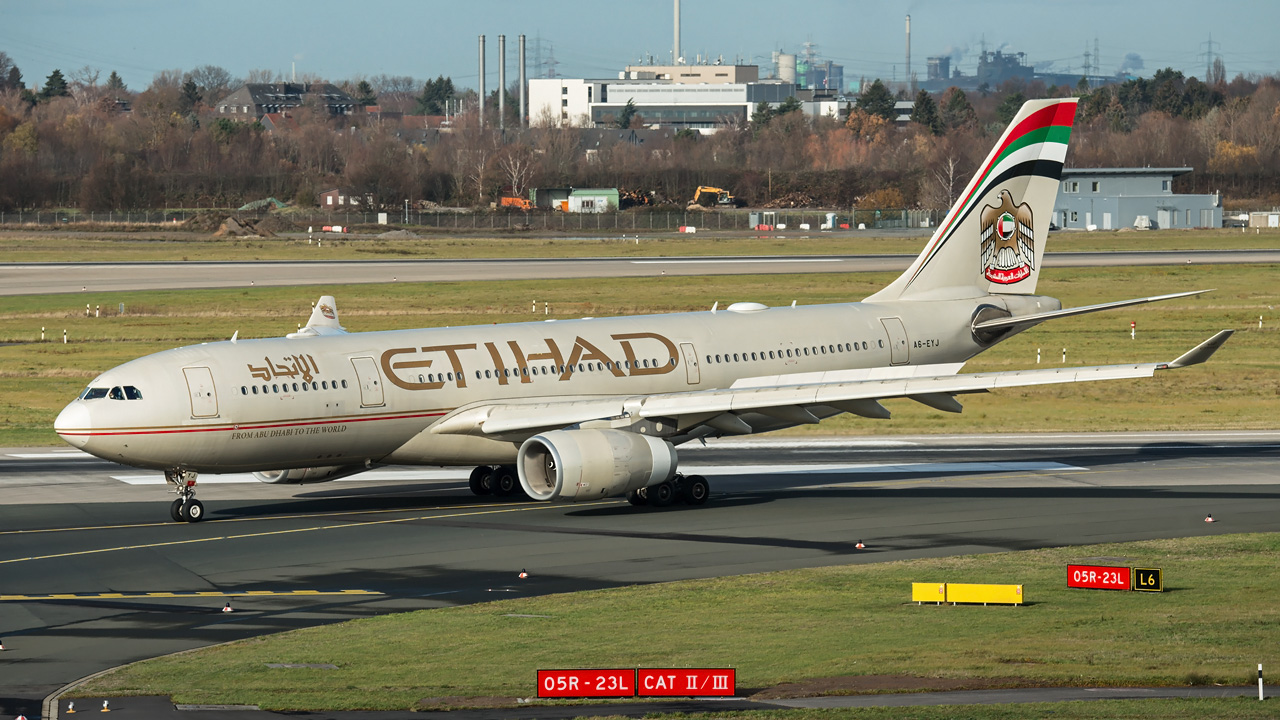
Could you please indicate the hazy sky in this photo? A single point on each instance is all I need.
(424, 38)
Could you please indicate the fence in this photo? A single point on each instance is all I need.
(629, 221)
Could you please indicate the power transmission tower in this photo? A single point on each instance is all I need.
(1209, 56)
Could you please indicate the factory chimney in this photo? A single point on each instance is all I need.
(675, 48)
(908, 75)
(502, 82)
(482, 82)
(523, 80)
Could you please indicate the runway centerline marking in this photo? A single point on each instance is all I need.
(268, 533)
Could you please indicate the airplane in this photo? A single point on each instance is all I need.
(580, 410)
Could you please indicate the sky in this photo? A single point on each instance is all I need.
(339, 39)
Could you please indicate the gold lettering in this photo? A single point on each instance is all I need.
(454, 362)
(592, 353)
(497, 362)
(521, 362)
(388, 369)
(663, 368)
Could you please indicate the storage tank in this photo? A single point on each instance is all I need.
(787, 67)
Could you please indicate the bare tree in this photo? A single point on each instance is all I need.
(84, 85)
(167, 79)
(263, 75)
(214, 82)
(516, 163)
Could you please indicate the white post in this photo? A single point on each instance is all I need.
(1259, 681)
(1259, 322)
(534, 308)
(1064, 356)
(546, 308)
(64, 336)
(1037, 356)
(41, 333)
(97, 311)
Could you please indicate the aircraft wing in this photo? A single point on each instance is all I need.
(787, 397)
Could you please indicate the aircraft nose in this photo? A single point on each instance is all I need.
(73, 424)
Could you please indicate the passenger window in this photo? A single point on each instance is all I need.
(864, 344)
(344, 384)
(255, 389)
(244, 390)
(450, 377)
(132, 393)
(305, 387)
(324, 384)
(788, 352)
(295, 387)
(275, 388)
(265, 389)
(486, 373)
(315, 386)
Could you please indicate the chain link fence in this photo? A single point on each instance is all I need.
(637, 221)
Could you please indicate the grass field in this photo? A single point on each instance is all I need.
(1215, 622)
(1238, 388)
(153, 245)
(1239, 709)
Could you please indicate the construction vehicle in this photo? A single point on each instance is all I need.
(707, 196)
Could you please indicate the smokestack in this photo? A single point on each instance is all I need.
(481, 81)
(675, 49)
(908, 75)
(502, 82)
(523, 80)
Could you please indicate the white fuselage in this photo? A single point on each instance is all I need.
(365, 398)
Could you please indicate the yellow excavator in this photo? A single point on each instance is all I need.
(707, 196)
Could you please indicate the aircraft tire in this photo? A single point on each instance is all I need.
(504, 481)
(662, 494)
(193, 510)
(480, 480)
(696, 490)
(175, 510)
(637, 498)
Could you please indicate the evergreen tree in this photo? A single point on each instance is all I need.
(628, 112)
(114, 83)
(790, 105)
(925, 113)
(763, 114)
(365, 96)
(877, 100)
(955, 110)
(54, 86)
(190, 97)
(435, 94)
(1010, 106)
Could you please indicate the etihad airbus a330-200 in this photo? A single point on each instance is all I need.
(579, 410)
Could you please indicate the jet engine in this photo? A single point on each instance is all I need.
(303, 476)
(581, 465)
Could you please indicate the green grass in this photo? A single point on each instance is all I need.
(1238, 389)
(163, 244)
(1217, 620)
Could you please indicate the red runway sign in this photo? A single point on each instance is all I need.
(586, 683)
(699, 682)
(1098, 577)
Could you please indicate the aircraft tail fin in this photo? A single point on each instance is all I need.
(992, 240)
(323, 321)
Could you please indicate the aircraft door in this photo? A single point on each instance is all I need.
(899, 350)
(370, 382)
(691, 370)
(204, 398)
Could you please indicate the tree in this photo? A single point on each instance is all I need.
(866, 127)
(214, 82)
(54, 86)
(877, 100)
(955, 110)
(7, 72)
(763, 114)
(925, 112)
(790, 105)
(1082, 87)
(1010, 106)
(115, 84)
(189, 98)
(627, 114)
(435, 94)
(365, 96)
(13, 81)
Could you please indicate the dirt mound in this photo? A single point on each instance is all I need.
(205, 221)
(241, 227)
(793, 200)
(274, 223)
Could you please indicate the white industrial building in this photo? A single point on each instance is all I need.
(679, 105)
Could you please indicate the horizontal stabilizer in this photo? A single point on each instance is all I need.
(1037, 318)
(1203, 351)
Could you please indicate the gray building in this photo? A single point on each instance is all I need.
(1112, 198)
(258, 99)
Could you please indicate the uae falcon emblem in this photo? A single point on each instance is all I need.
(1008, 243)
(327, 312)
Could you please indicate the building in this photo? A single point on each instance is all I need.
(254, 100)
(279, 122)
(593, 200)
(341, 200)
(1112, 198)
(693, 74)
(678, 105)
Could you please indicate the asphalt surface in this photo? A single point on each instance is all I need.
(45, 278)
(403, 539)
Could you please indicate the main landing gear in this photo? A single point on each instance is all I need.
(691, 489)
(500, 481)
(186, 508)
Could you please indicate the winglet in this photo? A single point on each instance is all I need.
(1203, 351)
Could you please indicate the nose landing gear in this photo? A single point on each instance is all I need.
(186, 508)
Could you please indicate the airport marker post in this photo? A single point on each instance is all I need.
(1259, 681)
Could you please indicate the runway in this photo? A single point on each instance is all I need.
(49, 278)
(93, 575)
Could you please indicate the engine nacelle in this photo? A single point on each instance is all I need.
(581, 465)
(302, 476)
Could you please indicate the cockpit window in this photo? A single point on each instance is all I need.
(132, 393)
(94, 393)
(116, 394)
